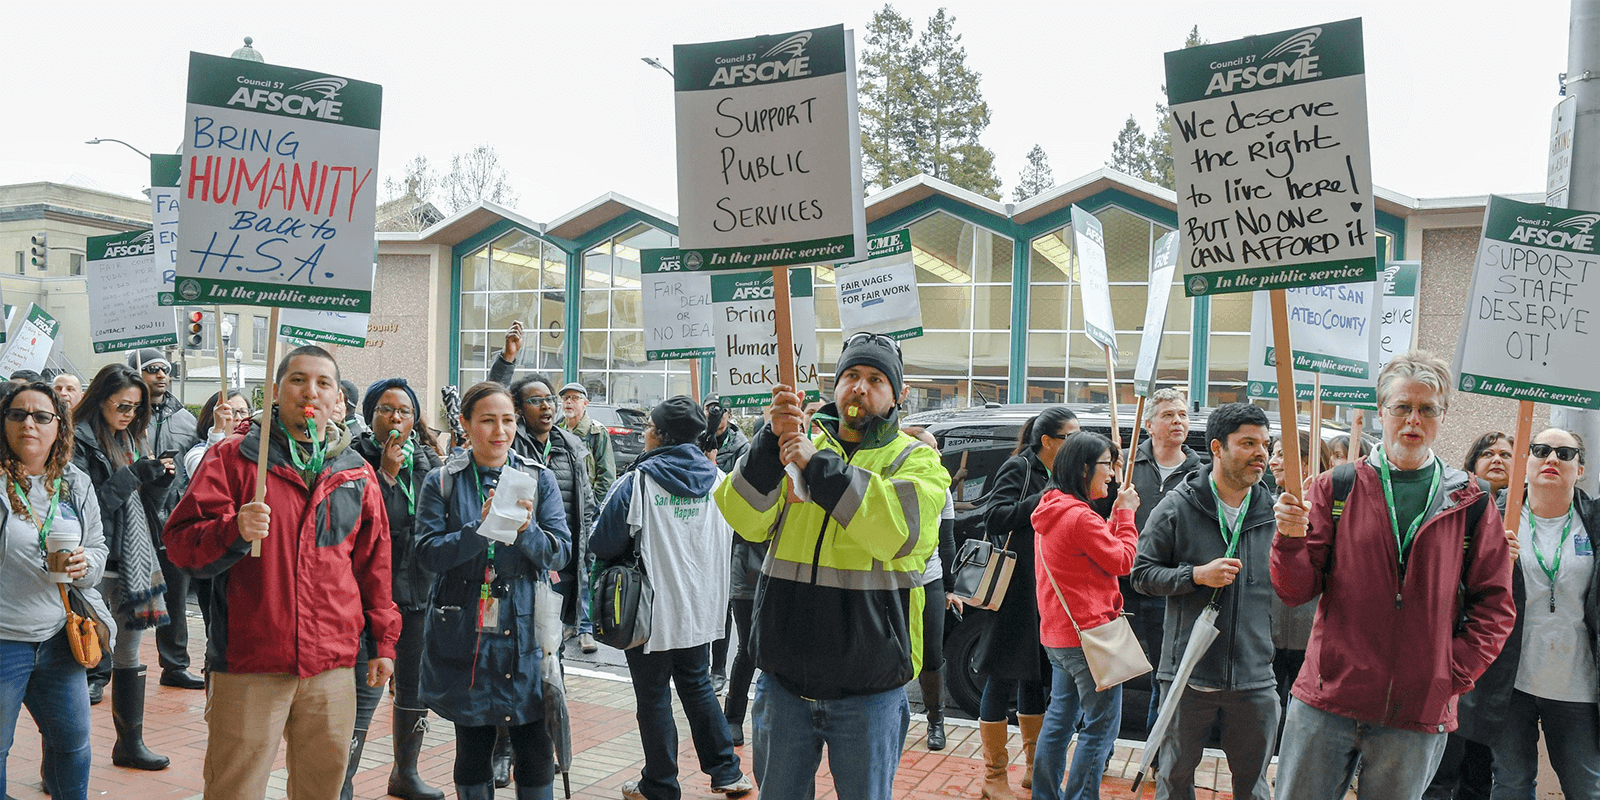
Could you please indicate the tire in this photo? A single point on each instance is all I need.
(961, 678)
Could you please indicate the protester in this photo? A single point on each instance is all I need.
(402, 453)
(1490, 457)
(936, 580)
(109, 446)
(1291, 626)
(1546, 676)
(575, 418)
(662, 508)
(1079, 556)
(743, 575)
(1385, 659)
(480, 663)
(68, 387)
(731, 442)
(353, 421)
(170, 434)
(46, 495)
(728, 445)
(1209, 542)
(1008, 655)
(217, 421)
(286, 626)
(1324, 460)
(26, 377)
(836, 637)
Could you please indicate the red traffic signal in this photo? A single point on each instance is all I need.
(196, 335)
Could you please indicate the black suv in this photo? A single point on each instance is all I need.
(974, 442)
(626, 426)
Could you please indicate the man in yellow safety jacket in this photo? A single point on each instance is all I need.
(838, 615)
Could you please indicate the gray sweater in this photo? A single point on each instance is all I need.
(30, 606)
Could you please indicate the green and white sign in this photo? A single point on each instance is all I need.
(769, 151)
(1163, 261)
(165, 174)
(123, 280)
(745, 322)
(1271, 160)
(1261, 374)
(1528, 332)
(676, 307)
(1399, 326)
(1089, 244)
(299, 326)
(880, 294)
(28, 347)
(279, 187)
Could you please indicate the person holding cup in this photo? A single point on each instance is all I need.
(51, 521)
(480, 660)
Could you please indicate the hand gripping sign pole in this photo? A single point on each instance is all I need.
(268, 397)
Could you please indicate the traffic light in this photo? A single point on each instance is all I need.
(40, 250)
(196, 334)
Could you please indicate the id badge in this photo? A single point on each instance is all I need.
(1581, 544)
(489, 614)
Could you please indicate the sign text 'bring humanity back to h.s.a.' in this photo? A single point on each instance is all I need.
(279, 187)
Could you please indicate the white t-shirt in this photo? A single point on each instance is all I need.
(932, 573)
(1556, 663)
(685, 544)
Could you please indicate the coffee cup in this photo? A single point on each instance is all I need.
(58, 551)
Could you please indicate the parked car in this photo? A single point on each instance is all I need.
(626, 426)
(973, 443)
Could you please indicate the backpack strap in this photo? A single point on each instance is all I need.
(1344, 480)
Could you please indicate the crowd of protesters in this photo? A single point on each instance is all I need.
(1380, 619)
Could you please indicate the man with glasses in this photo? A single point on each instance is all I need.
(1415, 579)
(169, 435)
(838, 623)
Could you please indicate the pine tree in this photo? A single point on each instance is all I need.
(1035, 177)
(1129, 153)
(890, 71)
(1160, 149)
(955, 112)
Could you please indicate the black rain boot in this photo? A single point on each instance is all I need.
(358, 742)
(409, 728)
(127, 712)
(502, 759)
(932, 684)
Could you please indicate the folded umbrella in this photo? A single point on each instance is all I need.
(553, 687)
(1200, 638)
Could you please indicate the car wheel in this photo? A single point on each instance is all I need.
(961, 674)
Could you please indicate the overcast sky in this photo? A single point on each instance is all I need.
(1459, 92)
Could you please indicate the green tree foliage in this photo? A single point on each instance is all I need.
(1129, 151)
(922, 109)
(1035, 177)
(1157, 160)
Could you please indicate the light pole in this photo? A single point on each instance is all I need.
(657, 64)
(124, 144)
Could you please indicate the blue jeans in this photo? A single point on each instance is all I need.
(1569, 735)
(45, 677)
(1072, 692)
(690, 670)
(863, 735)
(1320, 753)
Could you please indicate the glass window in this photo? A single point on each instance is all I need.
(516, 278)
(611, 346)
(75, 263)
(258, 338)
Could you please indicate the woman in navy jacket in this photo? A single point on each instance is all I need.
(480, 665)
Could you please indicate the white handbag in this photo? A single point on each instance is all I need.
(1113, 652)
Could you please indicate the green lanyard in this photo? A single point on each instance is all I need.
(55, 503)
(408, 450)
(1230, 538)
(311, 466)
(1554, 569)
(483, 497)
(1388, 497)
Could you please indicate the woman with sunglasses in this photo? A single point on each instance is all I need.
(1008, 655)
(1078, 557)
(45, 496)
(1546, 675)
(108, 445)
(480, 661)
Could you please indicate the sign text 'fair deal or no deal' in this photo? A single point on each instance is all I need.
(745, 321)
(279, 187)
(676, 306)
(1528, 332)
(123, 279)
(769, 153)
(1271, 160)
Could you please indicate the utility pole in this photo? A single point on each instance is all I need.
(1582, 83)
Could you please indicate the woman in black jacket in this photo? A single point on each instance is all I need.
(402, 453)
(1009, 655)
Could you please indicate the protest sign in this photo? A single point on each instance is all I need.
(28, 347)
(1530, 309)
(1089, 242)
(123, 279)
(299, 326)
(769, 152)
(279, 187)
(1558, 173)
(1321, 318)
(744, 319)
(676, 307)
(880, 294)
(1271, 161)
(1399, 324)
(1163, 260)
(165, 172)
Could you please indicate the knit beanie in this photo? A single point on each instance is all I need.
(369, 403)
(678, 420)
(876, 353)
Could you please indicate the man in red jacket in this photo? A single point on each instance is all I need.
(286, 626)
(1387, 657)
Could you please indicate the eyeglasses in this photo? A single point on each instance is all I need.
(1105, 463)
(1404, 411)
(866, 336)
(1536, 450)
(39, 417)
(543, 400)
(126, 408)
(161, 368)
(396, 412)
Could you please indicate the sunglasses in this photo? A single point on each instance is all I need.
(1564, 453)
(866, 336)
(1403, 411)
(161, 368)
(39, 417)
(126, 408)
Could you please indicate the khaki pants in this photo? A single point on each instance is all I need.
(246, 715)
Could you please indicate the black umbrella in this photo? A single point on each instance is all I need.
(547, 631)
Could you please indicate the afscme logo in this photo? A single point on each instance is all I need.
(1299, 44)
(752, 293)
(1582, 223)
(145, 237)
(795, 45)
(299, 105)
(747, 69)
(142, 245)
(1270, 71)
(329, 86)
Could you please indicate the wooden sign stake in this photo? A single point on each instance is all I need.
(1519, 464)
(694, 379)
(780, 302)
(268, 397)
(1111, 394)
(1288, 422)
(1133, 443)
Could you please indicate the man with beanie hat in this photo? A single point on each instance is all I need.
(663, 508)
(352, 399)
(402, 452)
(838, 627)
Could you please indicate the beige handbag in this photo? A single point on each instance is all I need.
(1113, 652)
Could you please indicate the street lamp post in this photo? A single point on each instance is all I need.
(657, 64)
(119, 141)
